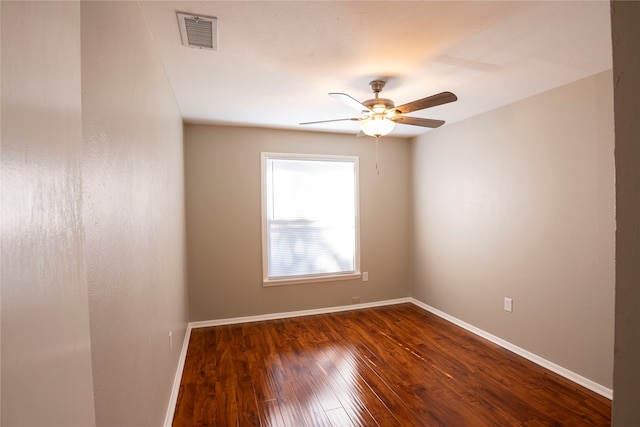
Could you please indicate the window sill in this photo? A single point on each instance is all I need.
(302, 280)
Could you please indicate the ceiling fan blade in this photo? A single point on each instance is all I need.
(429, 101)
(327, 121)
(351, 102)
(418, 121)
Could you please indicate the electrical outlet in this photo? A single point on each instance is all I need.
(355, 300)
(508, 305)
(365, 276)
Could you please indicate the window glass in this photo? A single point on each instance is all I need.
(310, 224)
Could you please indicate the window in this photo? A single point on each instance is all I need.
(310, 218)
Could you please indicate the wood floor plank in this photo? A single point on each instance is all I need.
(339, 418)
(389, 366)
(394, 362)
(354, 399)
(270, 415)
(225, 379)
(248, 413)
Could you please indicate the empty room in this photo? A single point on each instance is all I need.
(331, 213)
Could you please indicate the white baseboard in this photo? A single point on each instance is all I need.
(173, 399)
(286, 315)
(570, 375)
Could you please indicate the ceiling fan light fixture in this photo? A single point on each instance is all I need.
(377, 125)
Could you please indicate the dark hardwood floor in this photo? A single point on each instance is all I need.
(389, 366)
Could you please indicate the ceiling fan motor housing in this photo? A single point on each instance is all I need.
(379, 105)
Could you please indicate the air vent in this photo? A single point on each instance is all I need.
(198, 31)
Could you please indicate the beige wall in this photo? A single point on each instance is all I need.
(93, 241)
(46, 349)
(133, 211)
(519, 202)
(223, 221)
(626, 66)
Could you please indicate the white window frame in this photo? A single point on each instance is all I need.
(266, 281)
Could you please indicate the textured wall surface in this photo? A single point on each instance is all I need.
(224, 221)
(519, 203)
(46, 349)
(133, 215)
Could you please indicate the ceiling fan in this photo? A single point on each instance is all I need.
(380, 115)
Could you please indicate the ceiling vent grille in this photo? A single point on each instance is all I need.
(199, 32)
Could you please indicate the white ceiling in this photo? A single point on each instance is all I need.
(276, 61)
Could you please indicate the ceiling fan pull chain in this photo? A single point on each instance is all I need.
(377, 147)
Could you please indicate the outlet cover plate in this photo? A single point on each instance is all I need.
(508, 305)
